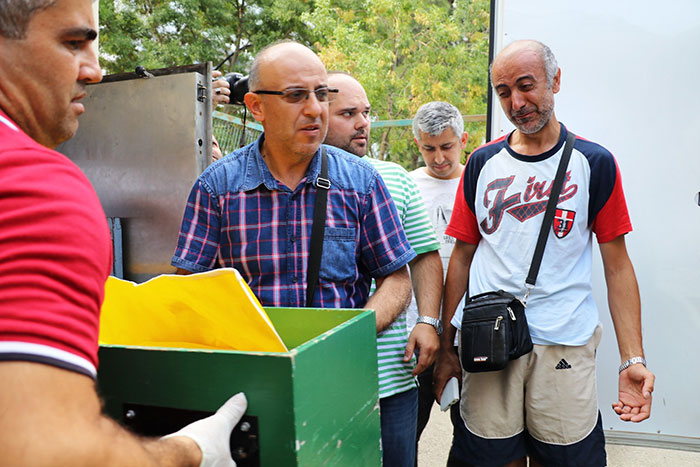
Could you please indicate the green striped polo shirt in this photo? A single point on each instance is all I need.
(395, 374)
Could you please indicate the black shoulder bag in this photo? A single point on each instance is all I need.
(318, 228)
(494, 326)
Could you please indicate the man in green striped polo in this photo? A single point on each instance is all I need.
(348, 129)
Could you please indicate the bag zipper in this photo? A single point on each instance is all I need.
(498, 322)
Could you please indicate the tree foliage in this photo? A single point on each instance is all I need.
(407, 53)
(165, 33)
(404, 52)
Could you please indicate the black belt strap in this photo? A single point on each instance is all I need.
(323, 184)
(551, 207)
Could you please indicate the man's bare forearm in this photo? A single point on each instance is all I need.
(52, 417)
(623, 298)
(455, 288)
(426, 278)
(447, 365)
(391, 297)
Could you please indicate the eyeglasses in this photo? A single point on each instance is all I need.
(295, 95)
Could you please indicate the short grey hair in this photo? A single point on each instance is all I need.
(16, 14)
(254, 75)
(435, 117)
(550, 63)
(548, 60)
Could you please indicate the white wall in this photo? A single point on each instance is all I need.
(629, 76)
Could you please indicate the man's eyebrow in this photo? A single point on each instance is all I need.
(521, 78)
(301, 86)
(88, 34)
(526, 77)
(355, 108)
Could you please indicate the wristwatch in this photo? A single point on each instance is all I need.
(627, 363)
(436, 323)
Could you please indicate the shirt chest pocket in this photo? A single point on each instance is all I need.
(338, 263)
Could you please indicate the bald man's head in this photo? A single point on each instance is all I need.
(349, 121)
(525, 77)
(545, 54)
(270, 54)
(289, 97)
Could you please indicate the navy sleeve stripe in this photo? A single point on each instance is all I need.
(603, 175)
(46, 360)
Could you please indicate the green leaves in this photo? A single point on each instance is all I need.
(158, 33)
(407, 53)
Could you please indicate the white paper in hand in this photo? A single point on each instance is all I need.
(450, 394)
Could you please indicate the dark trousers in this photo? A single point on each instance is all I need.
(398, 423)
(426, 399)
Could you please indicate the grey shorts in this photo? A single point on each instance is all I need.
(551, 392)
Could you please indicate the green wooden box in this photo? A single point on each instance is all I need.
(315, 405)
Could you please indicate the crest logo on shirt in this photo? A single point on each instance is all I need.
(563, 221)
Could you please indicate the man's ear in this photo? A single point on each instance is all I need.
(255, 106)
(556, 81)
(464, 139)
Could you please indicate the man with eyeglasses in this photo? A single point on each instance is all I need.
(253, 209)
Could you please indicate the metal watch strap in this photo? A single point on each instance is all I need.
(434, 322)
(627, 363)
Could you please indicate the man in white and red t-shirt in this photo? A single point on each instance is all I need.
(55, 255)
(544, 404)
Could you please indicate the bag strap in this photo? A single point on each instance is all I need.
(549, 215)
(318, 228)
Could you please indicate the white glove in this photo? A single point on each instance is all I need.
(212, 434)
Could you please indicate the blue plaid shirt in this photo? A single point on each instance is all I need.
(238, 215)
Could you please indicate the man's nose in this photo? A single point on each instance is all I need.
(312, 106)
(517, 100)
(362, 121)
(90, 70)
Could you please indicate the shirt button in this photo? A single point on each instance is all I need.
(294, 279)
(292, 239)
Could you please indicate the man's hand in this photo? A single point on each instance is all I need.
(219, 89)
(212, 434)
(425, 339)
(446, 366)
(635, 387)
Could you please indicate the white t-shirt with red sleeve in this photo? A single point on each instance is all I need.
(499, 207)
(55, 256)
